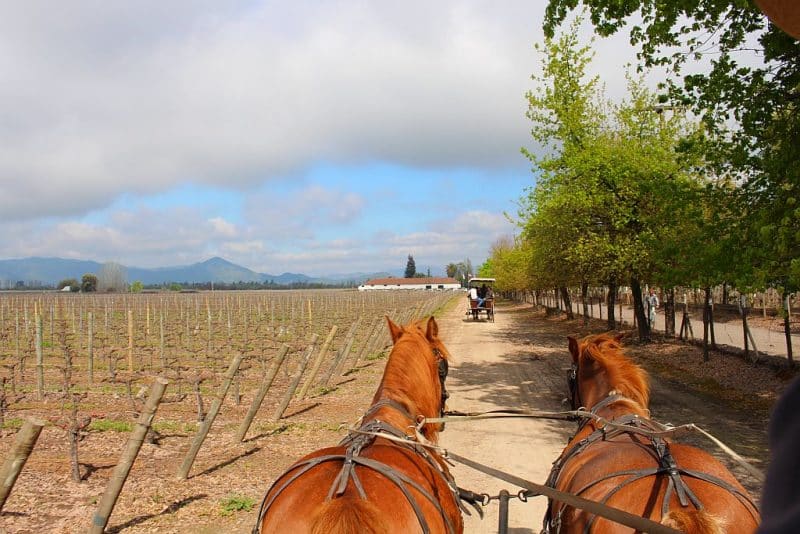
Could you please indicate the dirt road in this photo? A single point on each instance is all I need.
(520, 361)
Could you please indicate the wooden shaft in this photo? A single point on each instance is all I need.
(202, 432)
(123, 467)
(262, 392)
(23, 445)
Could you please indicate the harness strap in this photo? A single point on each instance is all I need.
(615, 514)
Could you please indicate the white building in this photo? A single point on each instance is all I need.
(410, 283)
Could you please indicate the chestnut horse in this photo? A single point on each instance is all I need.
(379, 479)
(618, 458)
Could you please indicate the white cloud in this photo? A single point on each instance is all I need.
(222, 228)
(111, 98)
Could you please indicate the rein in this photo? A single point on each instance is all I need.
(661, 431)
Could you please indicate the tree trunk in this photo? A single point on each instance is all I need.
(786, 329)
(711, 320)
(669, 312)
(706, 321)
(584, 290)
(638, 310)
(612, 295)
(567, 302)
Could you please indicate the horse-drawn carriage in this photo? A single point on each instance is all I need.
(480, 298)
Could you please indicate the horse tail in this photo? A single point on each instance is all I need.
(693, 522)
(355, 516)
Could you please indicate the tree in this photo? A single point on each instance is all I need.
(747, 101)
(88, 283)
(451, 269)
(72, 283)
(611, 176)
(112, 277)
(411, 267)
(137, 286)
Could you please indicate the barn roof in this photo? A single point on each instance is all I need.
(410, 281)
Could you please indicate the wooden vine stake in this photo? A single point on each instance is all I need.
(296, 380)
(130, 340)
(202, 432)
(90, 347)
(23, 445)
(312, 375)
(344, 351)
(123, 467)
(262, 392)
(39, 359)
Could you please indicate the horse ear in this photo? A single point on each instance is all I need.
(433, 329)
(573, 348)
(394, 330)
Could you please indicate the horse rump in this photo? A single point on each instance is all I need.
(349, 516)
(693, 522)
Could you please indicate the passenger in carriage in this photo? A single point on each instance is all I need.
(474, 294)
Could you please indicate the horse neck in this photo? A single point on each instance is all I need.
(615, 409)
(407, 382)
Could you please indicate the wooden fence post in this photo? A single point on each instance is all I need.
(296, 380)
(123, 467)
(23, 445)
(202, 432)
(312, 375)
(262, 392)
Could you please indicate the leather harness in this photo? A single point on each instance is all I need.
(658, 447)
(364, 436)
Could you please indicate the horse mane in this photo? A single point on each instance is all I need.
(411, 377)
(624, 376)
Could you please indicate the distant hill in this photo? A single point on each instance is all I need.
(49, 271)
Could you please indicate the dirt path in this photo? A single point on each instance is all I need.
(520, 361)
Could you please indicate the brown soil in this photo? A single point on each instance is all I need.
(518, 361)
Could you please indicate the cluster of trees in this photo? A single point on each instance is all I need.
(461, 271)
(695, 186)
(411, 269)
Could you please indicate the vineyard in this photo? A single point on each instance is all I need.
(242, 370)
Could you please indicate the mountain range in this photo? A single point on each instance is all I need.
(49, 271)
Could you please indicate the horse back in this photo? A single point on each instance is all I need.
(614, 472)
(305, 505)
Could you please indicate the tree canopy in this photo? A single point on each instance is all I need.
(739, 74)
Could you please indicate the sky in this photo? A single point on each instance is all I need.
(310, 137)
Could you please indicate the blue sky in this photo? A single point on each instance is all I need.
(310, 137)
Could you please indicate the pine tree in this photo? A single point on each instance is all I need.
(411, 267)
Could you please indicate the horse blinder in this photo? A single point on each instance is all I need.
(572, 382)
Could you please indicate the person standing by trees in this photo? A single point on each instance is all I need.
(651, 300)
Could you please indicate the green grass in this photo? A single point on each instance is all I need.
(105, 425)
(324, 390)
(174, 426)
(13, 422)
(278, 428)
(236, 503)
(376, 356)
